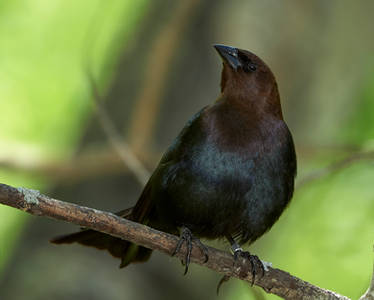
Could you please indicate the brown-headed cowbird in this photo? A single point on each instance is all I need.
(229, 173)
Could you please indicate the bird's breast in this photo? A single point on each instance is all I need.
(219, 187)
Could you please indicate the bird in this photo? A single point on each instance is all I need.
(229, 174)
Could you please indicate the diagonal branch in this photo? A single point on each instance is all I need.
(274, 281)
(122, 148)
(336, 166)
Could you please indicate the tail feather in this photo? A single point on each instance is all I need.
(91, 238)
(126, 251)
(135, 254)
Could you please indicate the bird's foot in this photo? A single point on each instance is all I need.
(254, 261)
(187, 237)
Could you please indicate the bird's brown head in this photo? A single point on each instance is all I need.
(247, 79)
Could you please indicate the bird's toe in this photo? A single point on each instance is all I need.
(255, 262)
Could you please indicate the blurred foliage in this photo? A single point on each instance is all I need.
(43, 85)
(44, 96)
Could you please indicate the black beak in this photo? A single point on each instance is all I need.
(229, 55)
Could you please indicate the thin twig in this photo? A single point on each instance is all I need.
(334, 167)
(119, 145)
(274, 281)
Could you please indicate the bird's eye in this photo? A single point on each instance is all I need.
(249, 67)
(247, 63)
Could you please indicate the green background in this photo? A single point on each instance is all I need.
(322, 55)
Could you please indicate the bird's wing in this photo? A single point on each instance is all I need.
(144, 205)
(173, 150)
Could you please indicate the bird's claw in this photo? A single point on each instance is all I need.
(254, 261)
(187, 236)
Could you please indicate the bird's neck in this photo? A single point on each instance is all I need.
(256, 102)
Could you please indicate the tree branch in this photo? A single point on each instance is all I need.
(274, 281)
